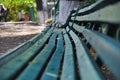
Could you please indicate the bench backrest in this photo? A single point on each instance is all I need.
(99, 27)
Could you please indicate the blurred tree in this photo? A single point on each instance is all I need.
(42, 14)
(15, 5)
(39, 5)
(39, 8)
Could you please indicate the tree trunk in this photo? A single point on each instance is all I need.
(65, 7)
(39, 5)
(41, 10)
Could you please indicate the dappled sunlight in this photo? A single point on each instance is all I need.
(12, 35)
(19, 30)
(9, 43)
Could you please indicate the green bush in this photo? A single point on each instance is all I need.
(15, 5)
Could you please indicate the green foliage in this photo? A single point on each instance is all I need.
(15, 5)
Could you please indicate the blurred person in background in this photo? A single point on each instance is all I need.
(3, 12)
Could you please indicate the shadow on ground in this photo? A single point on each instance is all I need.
(8, 43)
(14, 34)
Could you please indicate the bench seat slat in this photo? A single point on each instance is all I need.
(21, 48)
(87, 67)
(7, 71)
(77, 27)
(36, 66)
(52, 70)
(107, 48)
(68, 71)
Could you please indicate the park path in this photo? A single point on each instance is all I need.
(13, 34)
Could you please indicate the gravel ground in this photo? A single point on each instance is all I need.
(14, 34)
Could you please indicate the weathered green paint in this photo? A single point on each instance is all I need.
(108, 14)
(87, 67)
(89, 8)
(10, 69)
(77, 27)
(21, 48)
(36, 66)
(41, 68)
(68, 69)
(107, 46)
(52, 70)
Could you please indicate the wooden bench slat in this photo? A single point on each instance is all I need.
(87, 67)
(7, 71)
(90, 8)
(104, 15)
(38, 63)
(16, 51)
(52, 70)
(94, 7)
(68, 70)
(73, 52)
(102, 45)
(107, 48)
(77, 27)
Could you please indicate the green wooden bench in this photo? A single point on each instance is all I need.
(74, 51)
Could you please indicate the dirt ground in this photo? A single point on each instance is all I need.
(14, 34)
